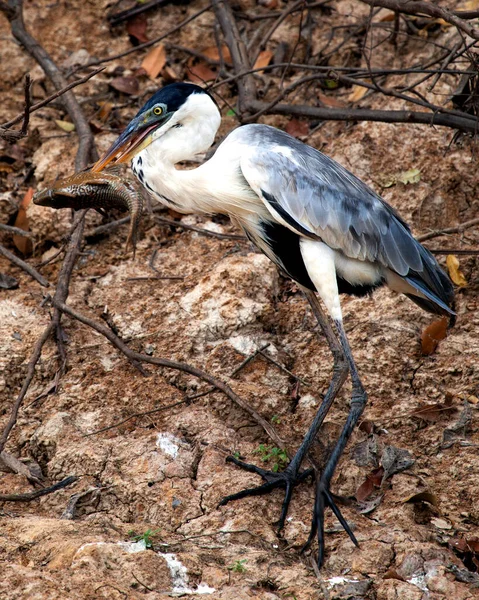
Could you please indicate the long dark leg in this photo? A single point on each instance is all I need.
(291, 476)
(323, 496)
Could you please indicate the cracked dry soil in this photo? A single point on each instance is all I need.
(154, 529)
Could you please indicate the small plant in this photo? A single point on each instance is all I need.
(146, 537)
(238, 566)
(236, 455)
(275, 419)
(279, 456)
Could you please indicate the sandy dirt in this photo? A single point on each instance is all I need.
(150, 526)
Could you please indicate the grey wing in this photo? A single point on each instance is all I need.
(317, 197)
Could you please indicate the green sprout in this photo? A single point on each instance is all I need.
(277, 454)
(238, 566)
(146, 537)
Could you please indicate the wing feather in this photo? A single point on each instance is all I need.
(318, 196)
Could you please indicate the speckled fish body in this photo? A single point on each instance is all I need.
(95, 190)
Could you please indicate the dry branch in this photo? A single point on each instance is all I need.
(419, 7)
(54, 96)
(23, 265)
(239, 54)
(86, 152)
(137, 357)
(457, 229)
(38, 493)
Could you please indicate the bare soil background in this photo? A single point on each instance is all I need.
(165, 473)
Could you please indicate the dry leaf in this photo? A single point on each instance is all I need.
(105, 110)
(214, 53)
(455, 273)
(373, 481)
(263, 59)
(432, 335)
(126, 85)
(297, 128)
(136, 28)
(423, 497)
(65, 125)
(22, 243)
(200, 73)
(330, 101)
(358, 92)
(169, 74)
(433, 412)
(154, 61)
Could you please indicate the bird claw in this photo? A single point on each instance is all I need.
(324, 499)
(287, 479)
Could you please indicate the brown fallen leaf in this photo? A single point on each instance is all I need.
(200, 73)
(428, 497)
(455, 273)
(433, 412)
(358, 92)
(169, 74)
(214, 53)
(126, 85)
(372, 482)
(263, 60)
(105, 110)
(297, 128)
(23, 244)
(154, 61)
(432, 335)
(136, 29)
(330, 101)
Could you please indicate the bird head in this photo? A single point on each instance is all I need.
(177, 106)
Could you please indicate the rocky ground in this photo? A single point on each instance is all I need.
(149, 526)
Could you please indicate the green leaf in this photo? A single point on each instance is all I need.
(231, 113)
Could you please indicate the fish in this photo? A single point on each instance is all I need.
(101, 191)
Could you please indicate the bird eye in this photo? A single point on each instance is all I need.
(158, 110)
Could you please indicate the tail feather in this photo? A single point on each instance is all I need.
(434, 286)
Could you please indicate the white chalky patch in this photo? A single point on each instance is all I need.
(168, 443)
(308, 401)
(179, 576)
(133, 547)
(339, 581)
(419, 581)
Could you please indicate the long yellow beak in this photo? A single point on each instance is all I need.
(130, 142)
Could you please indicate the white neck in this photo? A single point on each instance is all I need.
(189, 132)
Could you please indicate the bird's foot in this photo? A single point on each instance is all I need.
(323, 499)
(287, 479)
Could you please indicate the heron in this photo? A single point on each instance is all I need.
(321, 225)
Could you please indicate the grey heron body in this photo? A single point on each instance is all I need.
(320, 224)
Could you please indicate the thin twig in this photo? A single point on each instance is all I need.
(420, 7)
(54, 96)
(38, 493)
(201, 230)
(24, 265)
(457, 229)
(364, 114)
(124, 15)
(16, 230)
(138, 414)
(86, 151)
(283, 368)
(152, 42)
